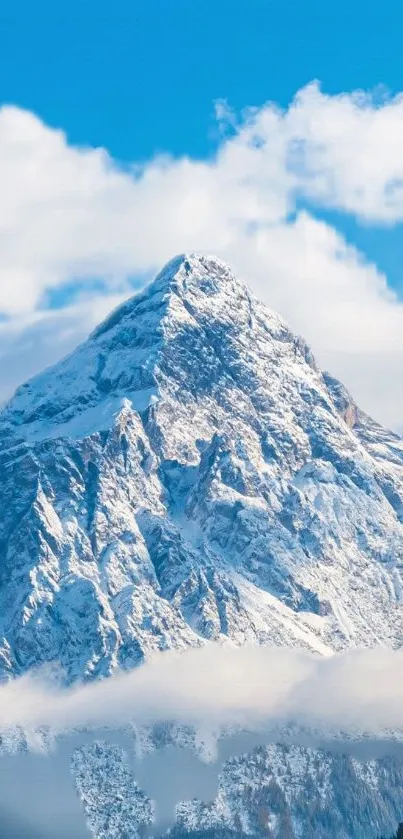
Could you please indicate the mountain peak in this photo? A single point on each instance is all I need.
(207, 277)
(184, 276)
(193, 329)
(197, 267)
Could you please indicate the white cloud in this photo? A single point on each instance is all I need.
(70, 213)
(216, 686)
(347, 151)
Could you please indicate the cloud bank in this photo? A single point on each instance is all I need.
(215, 686)
(76, 225)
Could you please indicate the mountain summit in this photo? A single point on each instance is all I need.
(188, 473)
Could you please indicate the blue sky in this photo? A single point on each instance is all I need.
(141, 78)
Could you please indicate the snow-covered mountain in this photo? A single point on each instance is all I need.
(275, 792)
(187, 474)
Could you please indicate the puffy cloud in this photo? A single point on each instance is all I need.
(73, 214)
(346, 151)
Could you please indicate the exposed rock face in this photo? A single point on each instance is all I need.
(189, 474)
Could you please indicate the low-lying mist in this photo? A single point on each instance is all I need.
(215, 686)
